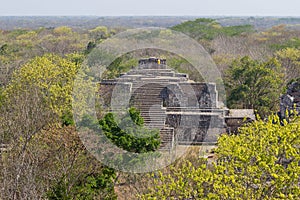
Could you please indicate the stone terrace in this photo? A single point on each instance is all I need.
(185, 112)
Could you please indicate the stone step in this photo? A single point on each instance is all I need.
(166, 135)
(154, 118)
(149, 121)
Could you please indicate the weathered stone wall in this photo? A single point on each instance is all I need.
(291, 100)
(105, 93)
(196, 127)
(197, 95)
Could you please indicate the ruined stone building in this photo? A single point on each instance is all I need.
(185, 112)
(291, 100)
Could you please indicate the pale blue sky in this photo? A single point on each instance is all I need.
(151, 7)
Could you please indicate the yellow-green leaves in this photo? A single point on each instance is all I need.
(52, 75)
(261, 162)
(265, 159)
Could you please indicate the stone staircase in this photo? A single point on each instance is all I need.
(146, 98)
(167, 138)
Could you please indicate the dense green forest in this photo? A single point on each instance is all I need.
(43, 157)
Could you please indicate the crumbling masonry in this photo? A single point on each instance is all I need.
(185, 112)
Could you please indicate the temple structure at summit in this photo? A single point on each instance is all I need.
(185, 112)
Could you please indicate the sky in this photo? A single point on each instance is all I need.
(150, 7)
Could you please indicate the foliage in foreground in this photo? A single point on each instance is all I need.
(129, 134)
(262, 162)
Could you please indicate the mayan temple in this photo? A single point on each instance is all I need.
(185, 112)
